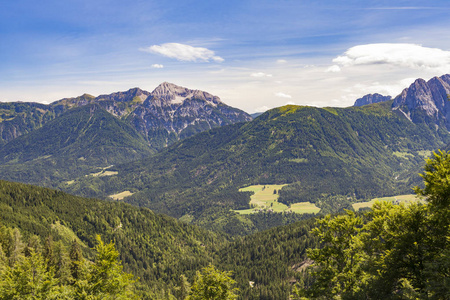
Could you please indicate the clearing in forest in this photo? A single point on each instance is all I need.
(396, 199)
(121, 195)
(265, 197)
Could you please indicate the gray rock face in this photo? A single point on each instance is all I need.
(426, 101)
(172, 112)
(371, 98)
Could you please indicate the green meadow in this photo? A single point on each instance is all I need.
(400, 198)
(265, 197)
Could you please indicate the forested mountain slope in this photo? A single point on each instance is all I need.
(78, 142)
(154, 247)
(356, 152)
(157, 248)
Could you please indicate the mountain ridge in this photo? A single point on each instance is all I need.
(167, 114)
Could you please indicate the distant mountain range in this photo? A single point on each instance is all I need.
(371, 99)
(321, 153)
(167, 114)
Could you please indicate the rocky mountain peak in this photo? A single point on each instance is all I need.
(426, 98)
(370, 99)
(176, 94)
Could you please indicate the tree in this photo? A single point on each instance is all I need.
(213, 284)
(391, 252)
(106, 278)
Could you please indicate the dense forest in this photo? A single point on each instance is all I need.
(353, 153)
(156, 248)
(394, 251)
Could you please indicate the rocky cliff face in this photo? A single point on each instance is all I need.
(371, 99)
(172, 112)
(426, 101)
(167, 114)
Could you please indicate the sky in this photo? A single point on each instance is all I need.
(254, 55)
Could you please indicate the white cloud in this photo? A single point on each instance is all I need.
(157, 66)
(402, 55)
(184, 52)
(260, 74)
(281, 61)
(283, 95)
(333, 69)
(262, 109)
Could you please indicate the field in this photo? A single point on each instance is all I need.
(120, 196)
(400, 198)
(265, 197)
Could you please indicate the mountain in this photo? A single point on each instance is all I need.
(17, 118)
(63, 140)
(172, 112)
(167, 114)
(321, 153)
(426, 101)
(371, 99)
(78, 142)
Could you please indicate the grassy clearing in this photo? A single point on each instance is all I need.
(304, 208)
(404, 155)
(400, 198)
(264, 198)
(104, 172)
(425, 153)
(121, 195)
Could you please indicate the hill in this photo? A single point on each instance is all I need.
(324, 154)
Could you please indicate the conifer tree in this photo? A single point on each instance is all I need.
(212, 284)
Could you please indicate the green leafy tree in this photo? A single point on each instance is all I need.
(28, 279)
(213, 284)
(391, 252)
(106, 278)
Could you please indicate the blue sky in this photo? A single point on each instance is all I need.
(254, 55)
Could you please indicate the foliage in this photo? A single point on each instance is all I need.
(155, 248)
(32, 275)
(346, 153)
(212, 284)
(75, 144)
(391, 252)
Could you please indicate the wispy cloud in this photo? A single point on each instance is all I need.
(333, 69)
(283, 95)
(260, 74)
(157, 66)
(184, 52)
(402, 55)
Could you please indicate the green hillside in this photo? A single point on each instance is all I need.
(17, 118)
(77, 143)
(157, 248)
(325, 155)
